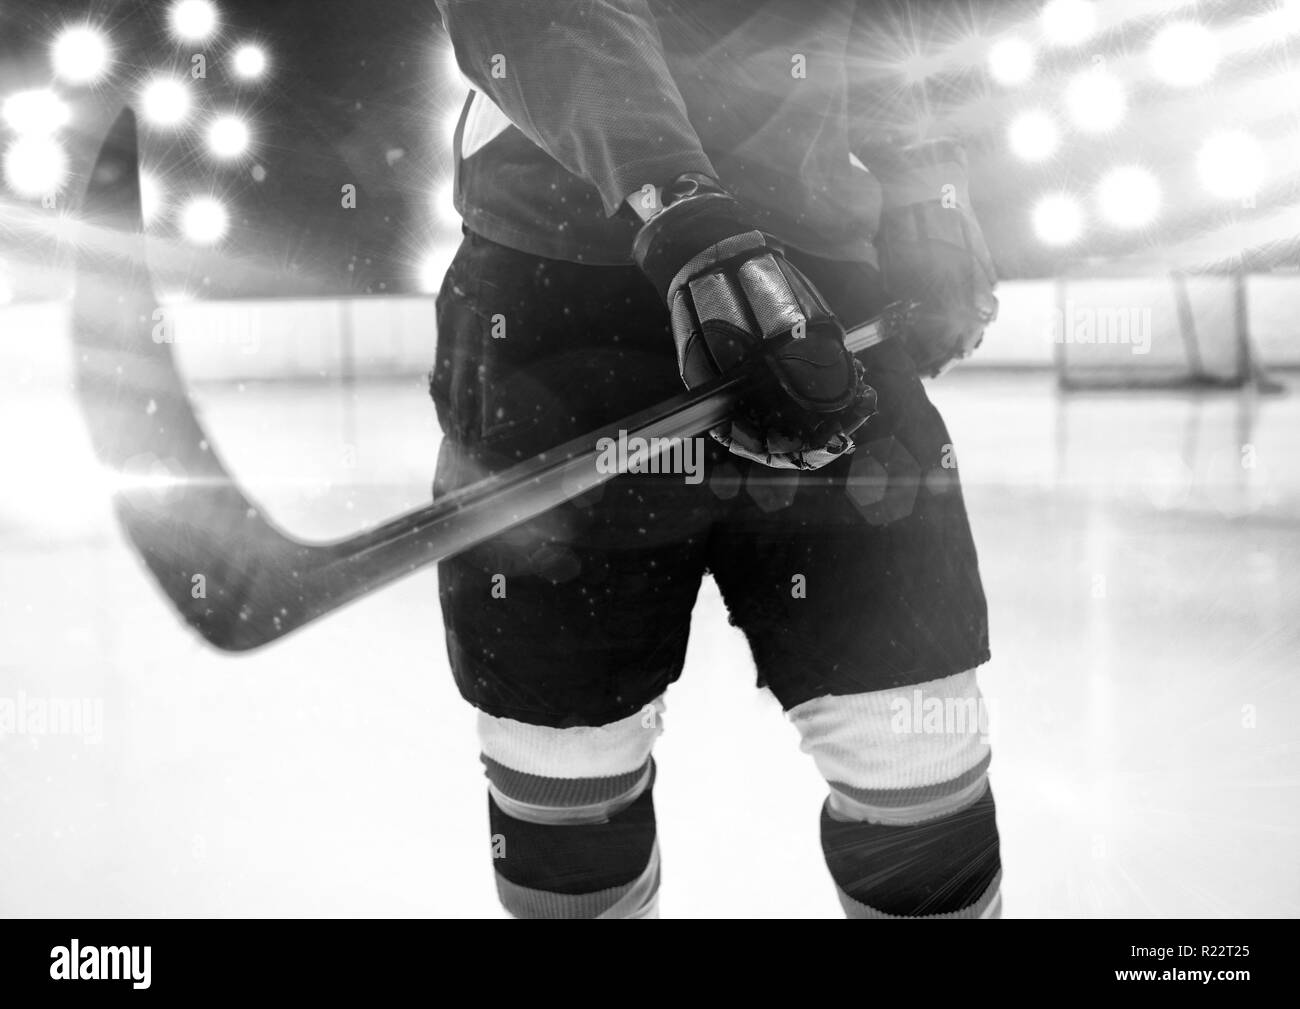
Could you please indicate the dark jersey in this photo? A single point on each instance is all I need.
(580, 103)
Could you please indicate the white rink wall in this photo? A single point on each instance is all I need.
(394, 335)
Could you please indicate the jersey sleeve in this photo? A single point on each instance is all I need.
(585, 80)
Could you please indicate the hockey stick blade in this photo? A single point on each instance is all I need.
(231, 574)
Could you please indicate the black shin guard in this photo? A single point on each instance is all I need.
(576, 870)
(945, 866)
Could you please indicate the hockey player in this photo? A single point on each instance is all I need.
(658, 191)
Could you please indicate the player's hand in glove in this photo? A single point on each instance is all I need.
(932, 253)
(734, 299)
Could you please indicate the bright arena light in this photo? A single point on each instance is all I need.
(204, 220)
(1069, 22)
(152, 197)
(919, 66)
(1128, 197)
(1231, 165)
(444, 205)
(228, 136)
(165, 101)
(450, 120)
(36, 113)
(35, 166)
(80, 54)
(1058, 219)
(452, 69)
(1095, 101)
(1011, 61)
(250, 62)
(432, 268)
(1184, 54)
(193, 20)
(1033, 135)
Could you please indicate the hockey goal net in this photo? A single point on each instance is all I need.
(1182, 331)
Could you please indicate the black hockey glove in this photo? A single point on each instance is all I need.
(932, 253)
(734, 299)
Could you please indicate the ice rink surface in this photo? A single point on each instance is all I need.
(1142, 563)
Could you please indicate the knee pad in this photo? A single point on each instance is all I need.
(572, 816)
(909, 829)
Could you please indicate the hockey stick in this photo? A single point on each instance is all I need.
(232, 575)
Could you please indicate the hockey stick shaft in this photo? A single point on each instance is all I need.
(228, 571)
(361, 564)
(524, 491)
